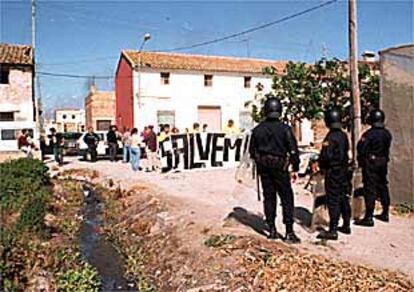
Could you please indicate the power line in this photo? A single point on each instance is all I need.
(253, 29)
(235, 35)
(54, 74)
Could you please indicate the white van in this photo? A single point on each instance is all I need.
(102, 149)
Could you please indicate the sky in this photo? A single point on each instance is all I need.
(86, 37)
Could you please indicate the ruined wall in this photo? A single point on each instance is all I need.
(17, 95)
(397, 99)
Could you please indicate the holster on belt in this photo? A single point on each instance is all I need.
(272, 161)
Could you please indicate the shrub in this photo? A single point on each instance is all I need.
(32, 217)
(84, 279)
(21, 180)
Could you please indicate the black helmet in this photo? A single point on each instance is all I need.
(272, 108)
(376, 118)
(333, 118)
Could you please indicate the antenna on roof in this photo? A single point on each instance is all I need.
(247, 41)
(324, 50)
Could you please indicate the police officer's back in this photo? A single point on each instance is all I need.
(373, 156)
(334, 162)
(273, 146)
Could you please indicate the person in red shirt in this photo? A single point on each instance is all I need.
(150, 141)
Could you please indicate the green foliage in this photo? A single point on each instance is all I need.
(306, 91)
(20, 181)
(404, 209)
(219, 240)
(83, 279)
(32, 217)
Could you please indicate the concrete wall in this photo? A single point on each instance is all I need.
(17, 97)
(397, 101)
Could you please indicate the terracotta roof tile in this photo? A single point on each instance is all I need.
(16, 54)
(173, 61)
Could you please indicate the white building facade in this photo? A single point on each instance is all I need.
(70, 120)
(190, 97)
(180, 90)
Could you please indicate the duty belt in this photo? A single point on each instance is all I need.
(269, 160)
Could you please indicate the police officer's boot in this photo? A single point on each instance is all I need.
(384, 216)
(290, 235)
(332, 234)
(346, 226)
(367, 221)
(345, 229)
(272, 232)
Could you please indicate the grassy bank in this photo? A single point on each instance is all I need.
(38, 241)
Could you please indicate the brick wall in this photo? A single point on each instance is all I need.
(99, 105)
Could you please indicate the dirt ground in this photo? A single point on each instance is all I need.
(213, 200)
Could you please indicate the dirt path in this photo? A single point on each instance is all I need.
(208, 198)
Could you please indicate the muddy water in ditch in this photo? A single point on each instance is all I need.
(97, 250)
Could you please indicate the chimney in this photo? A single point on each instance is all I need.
(92, 88)
(368, 56)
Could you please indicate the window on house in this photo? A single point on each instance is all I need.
(166, 118)
(7, 134)
(165, 78)
(73, 117)
(208, 80)
(4, 74)
(103, 125)
(259, 87)
(64, 117)
(6, 116)
(247, 81)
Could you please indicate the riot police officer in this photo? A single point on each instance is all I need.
(373, 156)
(273, 147)
(334, 162)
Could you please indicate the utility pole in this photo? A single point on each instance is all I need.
(353, 67)
(37, 103)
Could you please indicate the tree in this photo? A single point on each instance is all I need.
(307, 90)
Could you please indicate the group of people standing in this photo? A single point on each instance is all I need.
(134, 144)
(274, 147)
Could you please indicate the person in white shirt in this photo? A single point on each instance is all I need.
(135, 149)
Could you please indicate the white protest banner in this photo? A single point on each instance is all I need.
(201, 150)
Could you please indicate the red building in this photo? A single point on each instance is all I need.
(124, 93)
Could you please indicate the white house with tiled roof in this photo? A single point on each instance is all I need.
(180, 89)
(17, 105)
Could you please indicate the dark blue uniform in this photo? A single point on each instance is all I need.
(334, 161)
(373, 156)
(273, 147)
(91, 139)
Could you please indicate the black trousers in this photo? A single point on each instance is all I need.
(276, 180)
(337, 195)
(92, 152)
(113, 150)
(58, 153)
(374, 178)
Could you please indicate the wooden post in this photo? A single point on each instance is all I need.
(353, 67)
